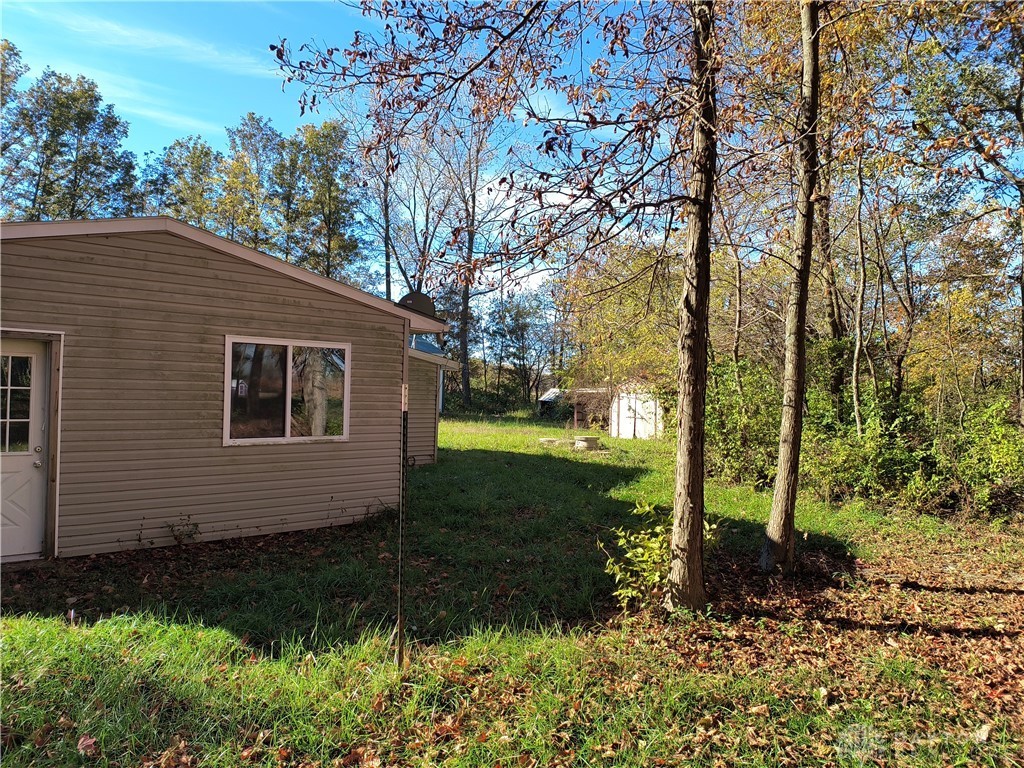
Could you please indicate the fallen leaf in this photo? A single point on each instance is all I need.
(42, 735)
(87, 746)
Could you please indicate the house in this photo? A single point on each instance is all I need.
(162, 384)
(427, 365)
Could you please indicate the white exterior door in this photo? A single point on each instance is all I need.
(24, 377)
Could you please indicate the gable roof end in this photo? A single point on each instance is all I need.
(419, 323)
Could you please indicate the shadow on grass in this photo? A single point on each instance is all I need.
(737, 586)
(494, 539)
(915, 586)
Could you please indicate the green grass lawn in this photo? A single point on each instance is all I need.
(898, 642)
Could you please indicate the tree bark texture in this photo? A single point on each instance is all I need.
(837, 329)
(858, 310)
(467, 393)
(1020, 285)
(314, 390)
(686, 565)
(779, 544)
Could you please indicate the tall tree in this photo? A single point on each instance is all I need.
(523, 325)
(376, 168)
(187, 181)
(13, 152)
(332, 200)
(254, 147)
(468, 155)
(289, 187)
(779, 545)
(423, 213)
(62, 155)
(686, 564)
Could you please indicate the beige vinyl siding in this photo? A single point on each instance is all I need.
(145, 318)
(422, 411)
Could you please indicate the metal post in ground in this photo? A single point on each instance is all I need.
(403, 500)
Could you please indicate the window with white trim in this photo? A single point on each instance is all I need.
(280, 390)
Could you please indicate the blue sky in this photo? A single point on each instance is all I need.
(177, 68)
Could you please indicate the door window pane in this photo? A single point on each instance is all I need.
(21, 371)
(20, 400)
(17, 441)
(258, 374)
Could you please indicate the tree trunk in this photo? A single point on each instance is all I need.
(467, 394)
(314, 391)
(1020, 285)
(483, 357)
(501, 364)
(737, 325)
(837, 329)
(252, 403)
(686, 565)
(779, 544)
(858, 312)
(385, 210)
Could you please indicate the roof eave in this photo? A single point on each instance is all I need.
(443, 362)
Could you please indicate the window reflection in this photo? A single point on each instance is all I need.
(257, 390)
(318, 392)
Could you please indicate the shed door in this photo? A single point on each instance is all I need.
(645, 415)
(23, 450)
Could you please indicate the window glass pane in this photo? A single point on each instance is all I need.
(318, 392)
(20, 403)
(257, 390)
(18, 440)
(3, 435)
(21, 372)
(3, 403)
(5, 367)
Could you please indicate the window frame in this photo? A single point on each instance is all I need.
(289, 344)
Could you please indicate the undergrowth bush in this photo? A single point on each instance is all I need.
(877, 465)
(979, 471)
(640, 569)
(742, 431)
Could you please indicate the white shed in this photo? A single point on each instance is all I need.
(635, 414)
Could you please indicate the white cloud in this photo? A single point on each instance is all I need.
(172, 119)
(140, 98)
(156, 43)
